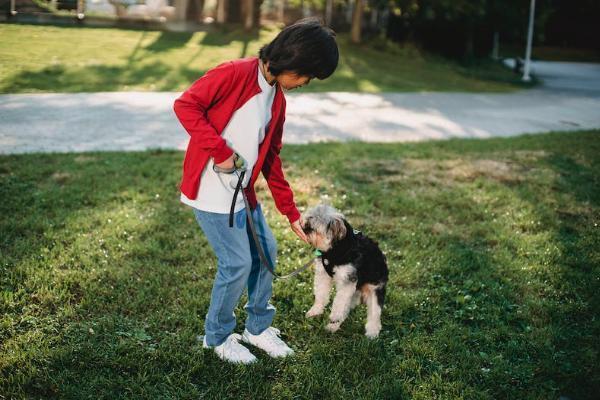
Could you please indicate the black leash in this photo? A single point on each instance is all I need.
(238, 187)
(261, 253)
(259, 248)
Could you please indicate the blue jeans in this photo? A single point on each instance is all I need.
(238, 267)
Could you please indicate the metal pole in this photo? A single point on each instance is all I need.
(526, 77)
(13, 7)
(496, 47)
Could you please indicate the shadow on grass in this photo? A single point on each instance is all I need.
(168, 41)
(226, 37)
(158, 75)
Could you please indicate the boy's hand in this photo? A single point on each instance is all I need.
(297, 228)
(227, 164)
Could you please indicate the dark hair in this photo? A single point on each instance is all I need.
(307, 48)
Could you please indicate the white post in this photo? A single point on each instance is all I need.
(80, 9)
(526, 77)
(13, 7)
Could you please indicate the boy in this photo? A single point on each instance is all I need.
(234, 114)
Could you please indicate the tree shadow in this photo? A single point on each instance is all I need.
(168, 41)
(158, 75)
(226, 36)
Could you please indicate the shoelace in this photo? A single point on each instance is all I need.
(273, 336)
(274, 330)
(232, 346)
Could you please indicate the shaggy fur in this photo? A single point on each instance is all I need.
(350, 260)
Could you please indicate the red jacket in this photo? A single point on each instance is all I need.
(204, 111)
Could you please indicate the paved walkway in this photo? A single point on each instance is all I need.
(568, 100)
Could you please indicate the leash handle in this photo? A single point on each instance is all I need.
(239, 164)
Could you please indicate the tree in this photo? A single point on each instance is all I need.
(194, 10)
(222, 11)
(120, 8)
(247, 14)
(357, 15)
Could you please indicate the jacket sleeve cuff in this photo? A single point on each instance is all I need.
(222, 153)
(293, 216)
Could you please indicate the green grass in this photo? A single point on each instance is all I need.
(71, 59)
(494, 275)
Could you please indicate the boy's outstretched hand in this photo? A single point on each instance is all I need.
(297, 228)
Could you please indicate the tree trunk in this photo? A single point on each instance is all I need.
(374, 18)
(194, 10)
(496, 46)
(356, 21)
(234, 12)
(469, 45)
(281, 11)
(120, 9)
(221, 11)
(328, 12)
(248, 14)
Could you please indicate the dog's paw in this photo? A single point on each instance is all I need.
(314, 311)
(333, 326)
(372, 332)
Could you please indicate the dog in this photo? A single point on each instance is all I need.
(352, 261)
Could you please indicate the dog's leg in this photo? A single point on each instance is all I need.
(355, 300)
(345, 287)
(341, 304)
(374, 304)
(322, 288)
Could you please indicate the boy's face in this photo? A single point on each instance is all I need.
(291, 80)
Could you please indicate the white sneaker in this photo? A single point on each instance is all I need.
(268, 341)
(230, 350)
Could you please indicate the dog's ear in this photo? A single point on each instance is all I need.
(337, 228)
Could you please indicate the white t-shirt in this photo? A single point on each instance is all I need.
(244, 133)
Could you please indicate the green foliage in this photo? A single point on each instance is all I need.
(457, 27)
(494, 287)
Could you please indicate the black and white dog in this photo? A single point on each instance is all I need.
(351, 260)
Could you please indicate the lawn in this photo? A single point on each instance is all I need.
(72, 59)
(494, 286)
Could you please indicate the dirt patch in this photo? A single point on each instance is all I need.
(445, 171)
(309, 185)
(498, 170)
(84, 159)
(530, 155)
(61, 177)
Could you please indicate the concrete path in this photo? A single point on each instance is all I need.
(568, 100)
